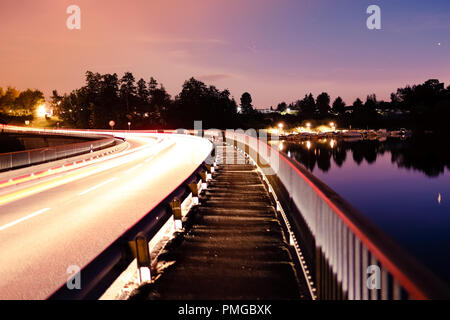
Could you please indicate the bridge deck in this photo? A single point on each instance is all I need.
(234, 248)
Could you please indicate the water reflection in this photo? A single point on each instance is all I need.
(427, 154)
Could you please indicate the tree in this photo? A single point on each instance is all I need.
(339, 106)
(109, 105)
(358, 104)
(282, 107)
(128, 90)
(307, 106)
(152, 84)
(196, 101)
(142, 95)
(27, 101)
(428, 104)
(246, 103)
(8, 100)
(323, 103)
(371, 102)
(142, 91)
(160, 102)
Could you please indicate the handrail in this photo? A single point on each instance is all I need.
(346, 242)
(19, 159)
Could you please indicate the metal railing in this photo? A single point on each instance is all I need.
(349, 256)
(19, 159)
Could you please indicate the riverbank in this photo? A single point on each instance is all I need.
(346, 134)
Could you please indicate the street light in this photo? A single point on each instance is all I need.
(112, 124)
(308, 125)
(129, 126)
(280, 125)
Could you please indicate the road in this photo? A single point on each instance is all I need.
(68, 219)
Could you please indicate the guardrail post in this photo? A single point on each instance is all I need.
(175, 205)
(194, 189)
(210, 168)
(204, 177)
(143, 258)
(209, 171)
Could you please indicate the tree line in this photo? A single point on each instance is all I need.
(421, 107)
(20, 103)
(147, 105)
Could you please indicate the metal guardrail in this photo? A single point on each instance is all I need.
(19, 159)
(350, 257)
(101, 272)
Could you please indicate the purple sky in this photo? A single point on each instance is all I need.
(276, 50)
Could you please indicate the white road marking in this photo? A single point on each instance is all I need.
(149, 159)
(97, 186)
(6, 226)
(134, 168)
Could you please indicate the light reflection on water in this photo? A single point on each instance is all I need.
(400, 185)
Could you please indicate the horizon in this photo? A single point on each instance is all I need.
(276, 51)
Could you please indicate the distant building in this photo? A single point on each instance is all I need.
(266, 111)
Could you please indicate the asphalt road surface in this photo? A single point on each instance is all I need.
(50, 224)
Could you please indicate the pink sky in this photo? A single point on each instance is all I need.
(276, 50)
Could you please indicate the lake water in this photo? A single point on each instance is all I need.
(403, 186)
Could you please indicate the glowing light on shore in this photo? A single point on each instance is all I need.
(41, 111)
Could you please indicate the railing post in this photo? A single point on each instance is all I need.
(365, 265)
(143, 258)
(204, 177)
(194, 189)
(357, 269)
(373, 291)
(351, 266)
(175, 205)
(319, 272)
